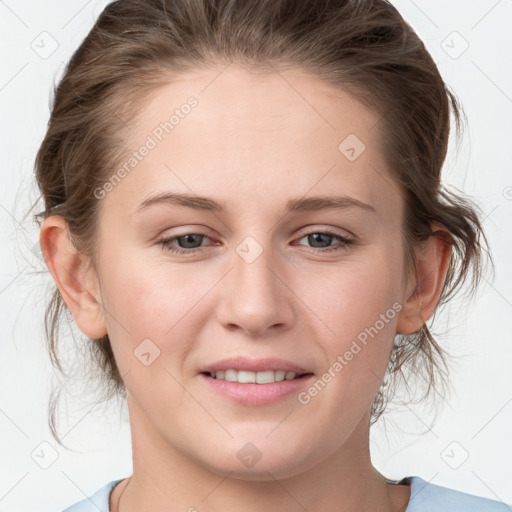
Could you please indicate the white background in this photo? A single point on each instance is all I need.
(468, 446)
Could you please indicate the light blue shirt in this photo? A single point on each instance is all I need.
(425, 497)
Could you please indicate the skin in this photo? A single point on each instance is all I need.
(253, 142)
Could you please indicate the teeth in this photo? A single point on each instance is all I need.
(245, 377)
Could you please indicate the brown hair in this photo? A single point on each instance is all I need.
(362, 46)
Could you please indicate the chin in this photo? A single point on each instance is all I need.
(248, 462)
(261, 472)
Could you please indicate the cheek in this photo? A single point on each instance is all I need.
(361, 305)
(152, 325)
(353, 296)
(154, 301)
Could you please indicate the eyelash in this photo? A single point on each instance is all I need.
(166, 242)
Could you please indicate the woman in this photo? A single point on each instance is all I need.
(255, 362)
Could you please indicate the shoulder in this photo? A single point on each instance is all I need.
(428, 497)
(425, 497)
(97, 502)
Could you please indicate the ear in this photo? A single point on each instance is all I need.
(424, 289)
(77, 282)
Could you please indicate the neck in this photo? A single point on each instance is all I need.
(165, 478)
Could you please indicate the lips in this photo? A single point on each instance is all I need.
(256, 394)
(241, 363)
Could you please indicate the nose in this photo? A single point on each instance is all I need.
(256, 296)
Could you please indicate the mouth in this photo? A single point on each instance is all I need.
(251, 377)
(256, 390)
(255, 382)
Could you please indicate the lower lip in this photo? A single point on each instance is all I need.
(256, 394)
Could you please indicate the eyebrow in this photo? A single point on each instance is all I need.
(304, 204)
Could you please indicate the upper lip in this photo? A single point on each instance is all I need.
(254, 365)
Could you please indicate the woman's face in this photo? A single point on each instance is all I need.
(249, 282)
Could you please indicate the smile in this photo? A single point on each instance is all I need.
(247, 377)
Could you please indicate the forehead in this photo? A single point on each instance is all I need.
(258, 136)
(297, 106)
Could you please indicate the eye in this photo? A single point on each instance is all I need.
(189, 244)
(326, 237)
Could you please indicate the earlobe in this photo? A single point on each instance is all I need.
(77, 283)
(422, 296)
